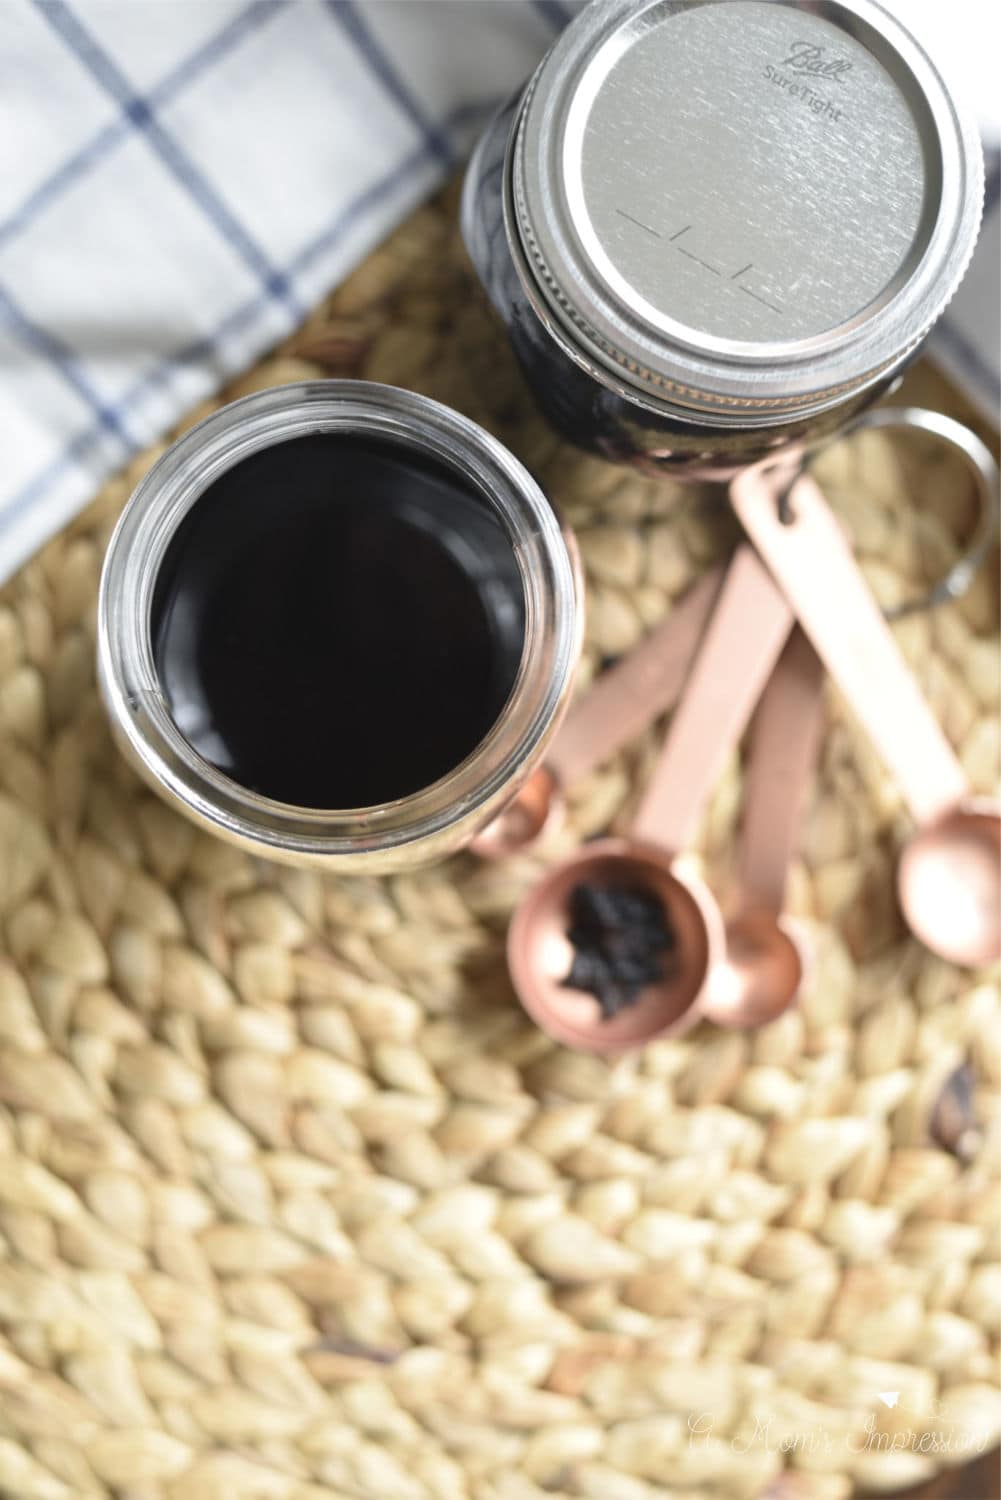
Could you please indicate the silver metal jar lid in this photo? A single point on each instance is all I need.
(748, 207)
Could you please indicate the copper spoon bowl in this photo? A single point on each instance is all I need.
(539, 952)
(767, 955)
(948, 884)
(524, 818)
(622, 703)
(761, 975)
(741, 645)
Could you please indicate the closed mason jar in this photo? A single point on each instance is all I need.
(718, 228)
(434, 820)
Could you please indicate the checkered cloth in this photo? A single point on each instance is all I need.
(180, 180)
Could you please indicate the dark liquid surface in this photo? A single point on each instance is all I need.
(337, 622)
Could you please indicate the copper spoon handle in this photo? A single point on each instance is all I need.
(630, 695)
(740, 647)
(785, 739)
(815, 567)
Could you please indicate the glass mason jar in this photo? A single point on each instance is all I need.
(435, 820)
(716, 228)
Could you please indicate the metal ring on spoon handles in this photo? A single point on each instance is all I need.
(955, 583)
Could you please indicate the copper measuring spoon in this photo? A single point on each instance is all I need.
(623, 701)
(740, 647)
(949, 877)
(766, 956)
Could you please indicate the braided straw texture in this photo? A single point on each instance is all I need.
(295, 1204)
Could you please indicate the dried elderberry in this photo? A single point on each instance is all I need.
(622, 942)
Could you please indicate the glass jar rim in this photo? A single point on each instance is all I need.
(127, 671)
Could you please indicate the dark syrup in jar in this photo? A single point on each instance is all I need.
(338, 622)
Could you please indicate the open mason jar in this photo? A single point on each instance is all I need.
(338, 624)
(717, 228)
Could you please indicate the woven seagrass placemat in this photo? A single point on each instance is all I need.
(295, 1204)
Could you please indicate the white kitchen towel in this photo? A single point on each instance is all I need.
(181, 180)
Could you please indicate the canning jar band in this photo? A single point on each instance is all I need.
(781, 405)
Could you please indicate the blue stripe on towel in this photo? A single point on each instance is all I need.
(43, 342)
(141, 114)
(351, 20)
(201, 350)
